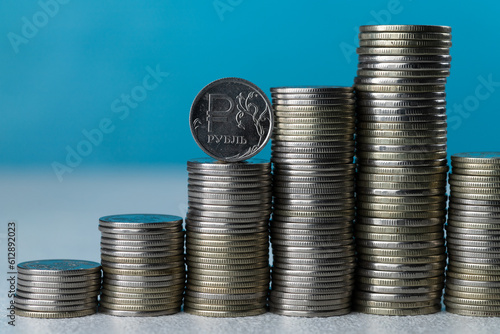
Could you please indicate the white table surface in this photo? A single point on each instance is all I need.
(59, 220)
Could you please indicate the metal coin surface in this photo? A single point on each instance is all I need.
(231, 119)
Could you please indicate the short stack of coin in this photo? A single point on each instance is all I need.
(57, 288)
(473, 235)
(227, 238)
(401, 161)
(313, 205)
(142, 257)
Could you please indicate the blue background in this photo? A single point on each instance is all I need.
(63, 77)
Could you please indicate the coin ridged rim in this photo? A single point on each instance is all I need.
(55, 315)
(60, 279)
(54, 302)
(402, 259)
(33, 267)
(119, 313)
(399, 312)
(401, 200)
(45, 308)
(433, 251)
(472, 313)
(143, 290)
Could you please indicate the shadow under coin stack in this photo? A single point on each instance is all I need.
(313, 208)
(142, 257)
(57, 288)
(401, 168)
(227, 238)
(473, 235)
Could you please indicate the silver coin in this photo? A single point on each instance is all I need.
(312, 96)
(59, 291)
(397, 297)
(401, 192)
(476, 172)
(47, 302)
(312, 102)
(54, 297)
(399, 274)
(58, 267)
(137, 237)
(404, 59)
(59, 279)
(400, 163)
(113, 230)
(142, 266)
(46, 308)
(218, 165)
(407, 290)
(475, 210)
(412, 200)
(61, 285)
(211, 117)
(395, 267)
(120, 313)
(401, 222)
(141, 221)
(400, 244)
(403, 51)
(400, 111)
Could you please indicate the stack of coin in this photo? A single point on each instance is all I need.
(401, 168)
(313, 206)
(227, 238)
(57, 288)
(473, 235)
(142, 257)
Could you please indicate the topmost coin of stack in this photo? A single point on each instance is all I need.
(473, 235)
(401, 168)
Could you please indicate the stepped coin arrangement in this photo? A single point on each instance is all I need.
(401, 168)
(313, 201)
(57, 288)
(142, 257)
(227, 238)
(473, 235)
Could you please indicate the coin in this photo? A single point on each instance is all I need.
(231, 119)
(58, 267)
(406, 35)
(121, 313)
(405, 28)
(399, 312)
(404, 72)
(55, 315)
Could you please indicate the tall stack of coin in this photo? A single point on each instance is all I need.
(142, 257)
(313, 208)
(473, 235)
(401, 168)
(227, 238)
(57, 288)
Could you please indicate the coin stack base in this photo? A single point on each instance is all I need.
(401, 168)
(473, 235)
(142, 257)
(227, 238)
(57, 288)
(313, 207)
